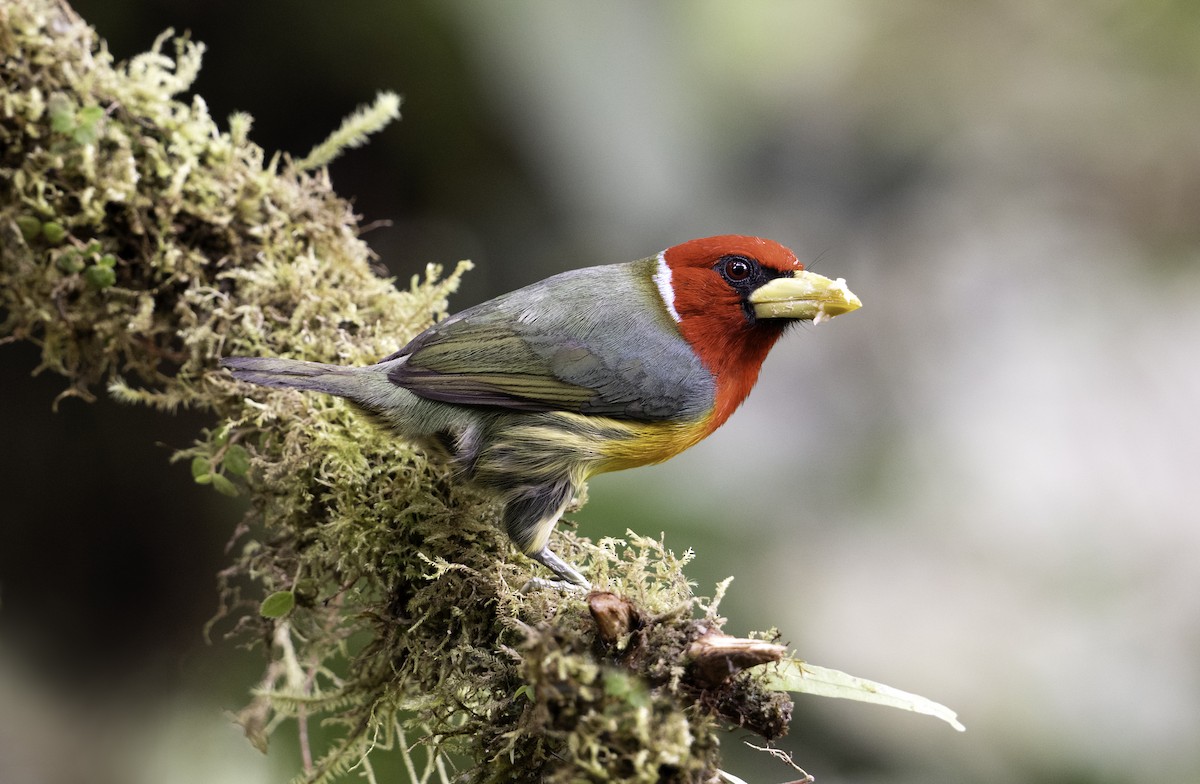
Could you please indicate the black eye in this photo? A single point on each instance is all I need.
(738, 269)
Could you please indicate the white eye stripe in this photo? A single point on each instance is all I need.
(662, 279)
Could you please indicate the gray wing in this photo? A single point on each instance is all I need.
(593, 341)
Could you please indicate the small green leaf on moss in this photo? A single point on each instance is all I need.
(87, 124)
(223, 486)
(237, 460)
(201, 467)
(525, 691)
(620, 685)
(107, 260)
(62, 113)
(277, 604)
(54, 232)
(70, 262)
(100, 277)
(30, 227)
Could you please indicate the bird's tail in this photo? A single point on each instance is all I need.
(367, 387)
(297, 374)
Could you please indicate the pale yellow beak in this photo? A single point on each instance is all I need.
(805, 295)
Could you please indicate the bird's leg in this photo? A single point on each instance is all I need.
(529, 517)
(571, 579)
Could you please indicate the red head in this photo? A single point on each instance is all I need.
(707, 284)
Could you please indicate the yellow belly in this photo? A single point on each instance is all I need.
(644, 443)
(600, 444)
(544, 447)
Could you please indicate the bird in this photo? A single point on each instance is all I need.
(528, 395)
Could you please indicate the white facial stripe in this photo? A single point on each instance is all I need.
(662, 278)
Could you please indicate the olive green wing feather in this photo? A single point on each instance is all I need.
(474, 362)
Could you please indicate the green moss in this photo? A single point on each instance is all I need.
(140, 242)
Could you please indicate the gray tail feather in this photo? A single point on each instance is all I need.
(296, 374)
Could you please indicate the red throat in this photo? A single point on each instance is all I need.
(735, 363)
(713, 318)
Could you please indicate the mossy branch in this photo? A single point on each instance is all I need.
(138, 244)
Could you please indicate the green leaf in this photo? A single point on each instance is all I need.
(107, 260)
(100, 277)
(277, 604)
(618, 684)
(30, 227)
(201, 467)
(70, 262)
(54, 232)
(797, 676)
(62, 113)
(223, 486)
(90, 114)
(87, 128)
(237, 460)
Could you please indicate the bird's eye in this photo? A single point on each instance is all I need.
(738, 269)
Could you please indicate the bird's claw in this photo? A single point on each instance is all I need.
(539, 583)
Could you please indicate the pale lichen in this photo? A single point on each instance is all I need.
(138, 243)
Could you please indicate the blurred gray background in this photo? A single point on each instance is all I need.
(981, 487)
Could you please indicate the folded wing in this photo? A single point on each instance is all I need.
(592, 341)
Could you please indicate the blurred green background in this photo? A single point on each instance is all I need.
(981, 487)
